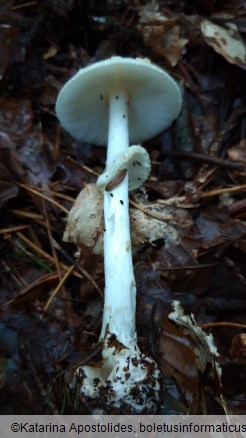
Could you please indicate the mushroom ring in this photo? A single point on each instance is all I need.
(135, 160)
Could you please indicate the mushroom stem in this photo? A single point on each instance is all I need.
(120, 289)
(118, 136)
(124, 380)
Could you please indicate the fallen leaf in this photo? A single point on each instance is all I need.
(33, 290)
(51, 52)
(8, 40)
(178, 359)
(238, 348)
(150, 13)
(226, 41)
(162, 33)
(85, 220)
(204, 351)
(3, 369)
(8, 186)
(15, 117)
(238, 152)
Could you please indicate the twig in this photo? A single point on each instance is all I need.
(150, 213)
(45, 279)
(18, 280)
(53, 249)
(13, 229)
(28, 214)
(44, 253)
(84, 167)
(89, 277)
(186, 267)
(52, 192)
(204, 158)
(24, 5)
(34, 237)
(41, 195)
(89, 170)
(223, 324)
(79, 268)
(217, 192)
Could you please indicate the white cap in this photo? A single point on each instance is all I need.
(83, 103)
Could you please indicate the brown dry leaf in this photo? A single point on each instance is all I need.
(204, 348)
(178, 360)
(204, 351)
(8, 40)
(15, 117)
(8, 187)
(238, 152)
(35, 157)
(50, 53)
(226, 41)
(162, 33)
(218, 230)
(3, 369)
(85, 222)
(28, 156)
(150, 14)
(33, 290)
(9, 158)
(238, 348)
(145, 228)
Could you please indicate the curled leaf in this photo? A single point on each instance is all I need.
(85, 222)
(226, 41)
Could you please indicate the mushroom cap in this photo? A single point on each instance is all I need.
(154, 99)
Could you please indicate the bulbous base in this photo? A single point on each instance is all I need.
(124, 382)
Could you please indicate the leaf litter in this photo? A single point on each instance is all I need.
(190, 240)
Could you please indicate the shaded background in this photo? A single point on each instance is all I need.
(48, 326)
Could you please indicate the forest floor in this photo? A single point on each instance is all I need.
(50, 301)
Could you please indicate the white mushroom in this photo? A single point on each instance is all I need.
(115, 102)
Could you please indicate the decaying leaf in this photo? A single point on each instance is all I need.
(204, 347)
(177, 360)
(202, 353)
(238, 348)
(145, 228)
(85, 222)
(162, 33)
(226, 41)
(150, 13)
(196, 256)
(8, 41)
(238, 152)
(3, 369)
(51, 52)
(15, 117)
(8, 187)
